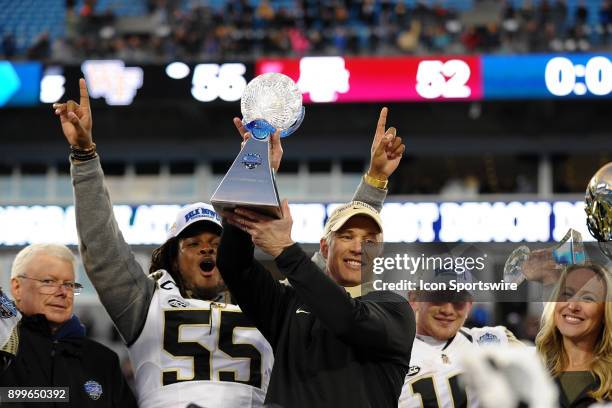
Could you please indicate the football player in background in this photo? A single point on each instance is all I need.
(188, 344)
(9, 336)
(441, 342)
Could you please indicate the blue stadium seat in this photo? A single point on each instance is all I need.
(592, 7)
(119, 7)
(187, 5)
(28, 18)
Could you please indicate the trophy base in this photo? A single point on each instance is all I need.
(270, 210)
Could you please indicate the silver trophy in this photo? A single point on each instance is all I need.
(598, 204)
(270, 102)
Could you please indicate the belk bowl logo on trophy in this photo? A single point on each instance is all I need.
(251, 160)
(270, 102)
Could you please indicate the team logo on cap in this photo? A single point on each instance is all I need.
(201, 213)
(93, 389)
(251, 160)
(488, 338)
(355, 205)
(7, 307)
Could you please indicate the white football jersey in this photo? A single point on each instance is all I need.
(9, 319)
(433, 377)
(196, 353)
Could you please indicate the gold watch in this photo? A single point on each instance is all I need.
(374, 182)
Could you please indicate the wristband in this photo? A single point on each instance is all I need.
(83, 154)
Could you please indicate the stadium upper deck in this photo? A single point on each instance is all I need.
(162, 30)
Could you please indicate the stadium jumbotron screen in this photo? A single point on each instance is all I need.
(347, 79)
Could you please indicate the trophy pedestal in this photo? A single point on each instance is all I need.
(249, 182)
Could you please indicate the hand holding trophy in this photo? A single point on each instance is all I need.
(544, 265)
(271, 103)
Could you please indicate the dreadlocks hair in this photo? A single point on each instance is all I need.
(166, 257)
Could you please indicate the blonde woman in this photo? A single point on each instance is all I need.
(575, 339)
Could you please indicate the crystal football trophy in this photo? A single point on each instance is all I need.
(270, 102)
(569, 251)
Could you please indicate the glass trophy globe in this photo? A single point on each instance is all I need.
(513, 268)
(271, 102)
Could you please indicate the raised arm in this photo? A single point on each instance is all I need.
(122, 286)
(261, 297)
(385, 155)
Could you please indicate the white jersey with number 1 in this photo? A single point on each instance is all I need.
(433, 377)
(195, 353)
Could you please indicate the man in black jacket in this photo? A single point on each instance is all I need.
(53, 350)
(331, 350)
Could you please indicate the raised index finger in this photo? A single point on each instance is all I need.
(84, 102)
(382, 121)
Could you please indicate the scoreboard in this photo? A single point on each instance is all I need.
(329, 79)
(467, 78)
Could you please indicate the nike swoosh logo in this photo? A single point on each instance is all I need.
(301, 311)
